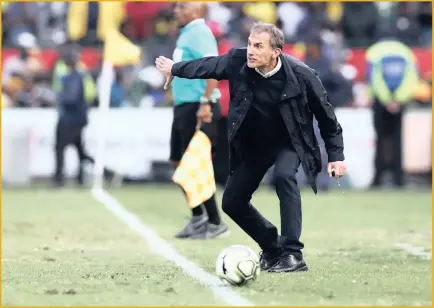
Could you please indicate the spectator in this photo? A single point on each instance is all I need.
(405, 26)
(16, 65)
(73, 117)
(393, 78)
(359, 23)
(262, 11)
(143, 16)
(218, 12)
(20, 19)
(89, 21)
(18, 74)
(290, 15)
(338, 88)
(61, 70)
(424, 17)
(117, 93)
(312, 22)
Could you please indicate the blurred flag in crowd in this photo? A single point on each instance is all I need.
(119, 51)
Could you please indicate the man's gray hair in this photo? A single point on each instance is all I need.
(277, 39)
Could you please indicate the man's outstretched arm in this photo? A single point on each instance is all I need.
(203, 68)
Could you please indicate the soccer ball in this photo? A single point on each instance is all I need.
(237, 265)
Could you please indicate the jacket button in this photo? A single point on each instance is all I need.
(233, 123)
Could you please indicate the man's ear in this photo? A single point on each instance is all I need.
(277, 52)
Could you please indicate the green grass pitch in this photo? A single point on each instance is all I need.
(65, 248)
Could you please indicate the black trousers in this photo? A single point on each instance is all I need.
(388, 154)
(69, 135)
(245, 180)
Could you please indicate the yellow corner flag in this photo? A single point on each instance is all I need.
(195, 173)
(118, 50)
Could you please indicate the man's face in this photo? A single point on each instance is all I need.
(259, 50)
(183, 12)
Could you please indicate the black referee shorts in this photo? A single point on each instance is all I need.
(184, 127)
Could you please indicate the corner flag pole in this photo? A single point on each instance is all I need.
(107, 77)
(118, 50)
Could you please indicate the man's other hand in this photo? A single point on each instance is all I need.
(339, 168)
(164, 65)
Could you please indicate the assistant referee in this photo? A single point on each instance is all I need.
(195, 101)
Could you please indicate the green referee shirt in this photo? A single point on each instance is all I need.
(195, 41)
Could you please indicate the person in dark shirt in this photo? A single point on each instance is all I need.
(72, 108)
(273, 100)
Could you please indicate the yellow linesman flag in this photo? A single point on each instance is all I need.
(118, 50)
(195, 173)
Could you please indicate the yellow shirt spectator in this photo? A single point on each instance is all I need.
(262, 11)
(111, 14)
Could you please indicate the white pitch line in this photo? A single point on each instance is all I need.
(415, 251)
(220, 291)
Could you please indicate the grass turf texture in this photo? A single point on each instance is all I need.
(65, 248)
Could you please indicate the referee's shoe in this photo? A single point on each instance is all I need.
(197, 224)
(211, 231)
(200, 228)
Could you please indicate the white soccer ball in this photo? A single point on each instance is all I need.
(237, 265)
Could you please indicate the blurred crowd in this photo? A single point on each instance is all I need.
(322, 33)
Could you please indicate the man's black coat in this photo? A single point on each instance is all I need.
(302, 98)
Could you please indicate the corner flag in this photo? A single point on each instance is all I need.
(118, 50)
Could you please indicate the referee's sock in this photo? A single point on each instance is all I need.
(212, 210)
(197, 211)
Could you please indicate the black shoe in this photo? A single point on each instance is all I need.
(268, 259)
(211, 231)
(196, 224)
(289, 263)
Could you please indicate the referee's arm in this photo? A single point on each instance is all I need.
(211, 85)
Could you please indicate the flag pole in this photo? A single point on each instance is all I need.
(118, 50)
(106, 81)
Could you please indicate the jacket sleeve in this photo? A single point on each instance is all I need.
(330, 129)
(203, 68)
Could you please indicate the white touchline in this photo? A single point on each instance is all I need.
(415, 251)
(220, 291)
